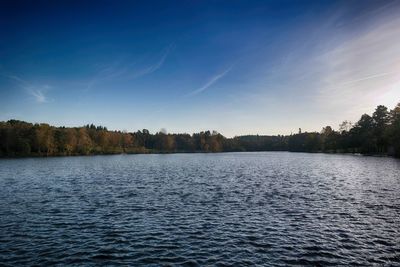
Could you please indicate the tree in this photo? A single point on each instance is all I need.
(45, 139)
(345, 126)
(329, 139)
(393, 131)
(380, 120)
(127, 141)
(363, 136)
(84, 144)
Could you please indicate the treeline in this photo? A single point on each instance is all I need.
(376, 134)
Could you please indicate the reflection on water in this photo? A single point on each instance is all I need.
(200, 209)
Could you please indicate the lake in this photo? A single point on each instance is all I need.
(241, 209)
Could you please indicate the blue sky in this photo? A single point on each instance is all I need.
(238, 67)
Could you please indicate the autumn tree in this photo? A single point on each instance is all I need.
(84, 144)
(45, 139)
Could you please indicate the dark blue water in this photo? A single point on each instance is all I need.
(274, 209)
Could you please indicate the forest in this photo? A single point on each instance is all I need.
(376, 134)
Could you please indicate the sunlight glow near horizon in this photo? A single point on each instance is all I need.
(269, 69)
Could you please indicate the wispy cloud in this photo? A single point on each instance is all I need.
(38, 95)
(119, 69)
(368, 77)
(152, 68)
(21, 82)
(363, 68)
(37, 92)
(17, 79)
(108, 72)
(212, 81)
(347, 74)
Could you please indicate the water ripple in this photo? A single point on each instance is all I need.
(228, 209)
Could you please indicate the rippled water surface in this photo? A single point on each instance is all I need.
(274, 209)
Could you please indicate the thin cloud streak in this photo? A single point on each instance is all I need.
(21, 82)
(107, 73)
(154, 67)
(212, 81)
(368, 77)
(116, 70)
(38, 95)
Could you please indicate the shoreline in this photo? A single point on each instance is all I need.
(194, 152)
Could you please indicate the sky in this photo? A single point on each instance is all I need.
(237, 67)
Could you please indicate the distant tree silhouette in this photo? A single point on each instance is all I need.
(381, 121)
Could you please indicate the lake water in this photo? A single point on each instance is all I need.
(272, 208)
